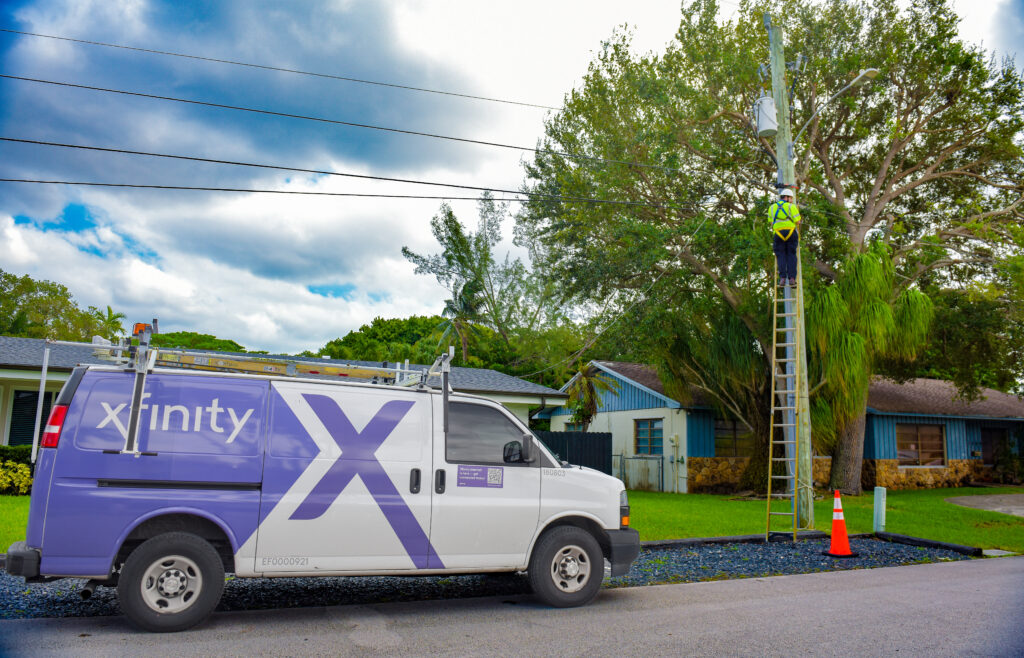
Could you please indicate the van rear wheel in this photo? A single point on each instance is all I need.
(567, 567)
(171, 582)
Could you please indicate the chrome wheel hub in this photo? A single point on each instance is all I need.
(171, 584)
(570, 569)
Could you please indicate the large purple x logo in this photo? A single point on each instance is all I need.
(358, 457)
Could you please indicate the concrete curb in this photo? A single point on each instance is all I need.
(810, 535)
(928, 543)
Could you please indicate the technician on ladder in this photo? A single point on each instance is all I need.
(785, 218)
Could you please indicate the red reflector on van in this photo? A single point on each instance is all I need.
(51, 433)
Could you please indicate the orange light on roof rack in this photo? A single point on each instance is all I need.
(139, 328)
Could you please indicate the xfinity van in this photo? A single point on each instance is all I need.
(160, 482)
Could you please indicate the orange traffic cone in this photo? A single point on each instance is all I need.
(840, 542)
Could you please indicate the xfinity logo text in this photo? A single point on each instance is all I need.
(173, 416)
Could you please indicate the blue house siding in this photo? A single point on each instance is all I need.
(628, 398)
(700, 433)
(880, 435)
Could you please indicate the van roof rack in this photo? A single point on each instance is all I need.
(145, 356)
(142, 357)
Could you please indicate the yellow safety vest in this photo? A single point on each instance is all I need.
(785, 217)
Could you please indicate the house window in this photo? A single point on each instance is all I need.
(648, 436)
(920, 445)
(733, 439)
(574, 427)
(23, 416)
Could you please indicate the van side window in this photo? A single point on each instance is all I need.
(478, 434)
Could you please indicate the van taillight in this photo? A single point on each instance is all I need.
(51, 433)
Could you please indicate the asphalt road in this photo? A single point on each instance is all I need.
(947, 609)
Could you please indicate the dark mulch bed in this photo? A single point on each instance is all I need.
(682, 564)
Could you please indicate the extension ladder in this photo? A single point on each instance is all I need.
(786, 410)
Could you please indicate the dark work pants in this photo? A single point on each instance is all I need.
(785, 255)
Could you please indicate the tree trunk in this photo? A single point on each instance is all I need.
(755, 475)
(848, 460)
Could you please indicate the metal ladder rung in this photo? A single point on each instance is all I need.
(780, 443)
(785, 361)
(783, 408)
(783, 477)
(785, 315)
(781, 329)
(780, 496)
(783, 424)
(783, 459)
(785, 299)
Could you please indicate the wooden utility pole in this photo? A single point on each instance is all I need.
(787, 178)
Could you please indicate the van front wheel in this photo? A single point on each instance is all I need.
(567, 567)
(170, 582)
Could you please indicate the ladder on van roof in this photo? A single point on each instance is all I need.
(143, 357)
(790, 414)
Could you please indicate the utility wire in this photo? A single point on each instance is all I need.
(280, 69)
(352, 124)
(538, 195)
(309, 193)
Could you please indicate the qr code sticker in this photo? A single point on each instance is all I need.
(494, 476)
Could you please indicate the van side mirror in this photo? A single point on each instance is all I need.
(529, 449)
(513, 453)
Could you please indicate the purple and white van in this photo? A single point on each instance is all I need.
(275, 476)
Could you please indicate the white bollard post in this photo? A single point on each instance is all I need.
(879, 509)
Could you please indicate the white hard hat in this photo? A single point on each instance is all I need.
(787, 191)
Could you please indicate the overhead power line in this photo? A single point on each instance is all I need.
(322, 172)
(341, 194)
(281, 69)
(339, 122)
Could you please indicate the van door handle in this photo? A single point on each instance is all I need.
(439, 481)
(414, 481)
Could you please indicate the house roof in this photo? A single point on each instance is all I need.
(938, 397)
(933, 397)
(28, 353)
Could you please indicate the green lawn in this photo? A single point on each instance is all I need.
(920, 513)
(676, 516)
(13, 519)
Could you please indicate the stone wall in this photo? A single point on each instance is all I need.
(714, 474)
(887, 473)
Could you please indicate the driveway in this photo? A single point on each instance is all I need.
(1006, 503)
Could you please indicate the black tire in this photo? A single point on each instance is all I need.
(567, 567)
(170, 582)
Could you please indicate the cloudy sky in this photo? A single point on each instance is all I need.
(281, 272)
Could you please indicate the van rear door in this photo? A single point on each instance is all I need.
(487, 512)
(346, 482)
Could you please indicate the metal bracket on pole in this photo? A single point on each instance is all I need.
(144, 361)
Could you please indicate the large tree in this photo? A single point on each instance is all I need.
(44, 309)
(915, 179)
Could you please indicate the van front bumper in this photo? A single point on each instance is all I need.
(623, 547)
(22, 560)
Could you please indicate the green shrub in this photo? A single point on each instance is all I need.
(16, 454)
(15, 478)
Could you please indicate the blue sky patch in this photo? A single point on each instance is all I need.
(342, 291)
